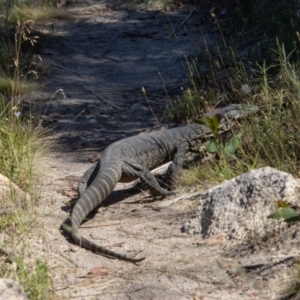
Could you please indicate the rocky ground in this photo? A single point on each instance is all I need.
(100, 63)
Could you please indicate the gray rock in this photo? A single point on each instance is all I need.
(139, 109)
(8, 190)
(238, 208)
(10, 290)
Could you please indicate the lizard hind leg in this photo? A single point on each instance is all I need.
(133, 168)
(87, 178)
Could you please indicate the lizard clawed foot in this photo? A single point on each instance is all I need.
(165, 193)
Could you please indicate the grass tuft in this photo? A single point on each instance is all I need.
(29, 14)
(36, 283)
(269, 138)
(22, 146)
(10, 86)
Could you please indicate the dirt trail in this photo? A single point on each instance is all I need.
(99, 61)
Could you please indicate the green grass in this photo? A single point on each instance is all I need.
(36, 282)
(30, 12)
(10, 86)
(22, 146)
(270, 137)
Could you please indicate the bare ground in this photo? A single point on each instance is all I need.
(98, 63)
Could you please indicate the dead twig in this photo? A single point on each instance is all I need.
(66, 69)
(182, 23)
(260, 267)
(168, 203)
(99, 97)
(70, 260)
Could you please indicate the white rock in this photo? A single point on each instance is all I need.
(10, 290)
(238, 208)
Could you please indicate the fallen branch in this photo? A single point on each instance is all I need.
(182, 23)
(168, 203)
(260, 267)
(66, 69)
(99, 97)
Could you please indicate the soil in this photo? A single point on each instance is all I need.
(112, 73)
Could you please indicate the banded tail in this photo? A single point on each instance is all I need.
(103, 184)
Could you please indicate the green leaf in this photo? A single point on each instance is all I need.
(212, 123)
(293, 219)
(232, 145)
(205, 120)
(211, 146)
(215, 122)
(217, 169)
(284, 213)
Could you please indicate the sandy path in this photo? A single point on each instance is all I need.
(99, 62)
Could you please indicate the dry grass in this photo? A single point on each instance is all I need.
(269, 138)
(22, 145)
(30, 14)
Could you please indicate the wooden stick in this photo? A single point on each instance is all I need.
(182, 23)
(66, 69)
(99, 97)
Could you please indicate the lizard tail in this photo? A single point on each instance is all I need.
(91, 198)
(83, 242)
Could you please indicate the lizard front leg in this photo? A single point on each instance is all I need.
(177, 163)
